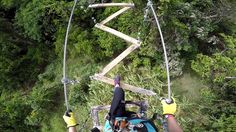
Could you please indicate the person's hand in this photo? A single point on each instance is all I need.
(69, 119)
(168, 108)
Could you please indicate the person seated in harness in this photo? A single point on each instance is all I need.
(120, 120)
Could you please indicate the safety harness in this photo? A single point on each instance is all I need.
(132, 121)
(134, 124)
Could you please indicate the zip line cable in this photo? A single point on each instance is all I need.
(150, 4)
(168, 100)
(65, 80)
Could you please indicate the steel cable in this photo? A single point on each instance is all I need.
(150, 4)
(65, 81)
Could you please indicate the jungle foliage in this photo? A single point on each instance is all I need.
(200, 36)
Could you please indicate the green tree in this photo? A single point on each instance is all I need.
(14, 111)
(16, 55)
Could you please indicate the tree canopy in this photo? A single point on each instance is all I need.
(200, 37)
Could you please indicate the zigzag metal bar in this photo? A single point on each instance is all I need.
(118, 34)
(119, 58)
(115, 15)
(123, 85)
(111, 5)
(135, 44)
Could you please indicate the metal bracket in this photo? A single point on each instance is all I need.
(68, 81)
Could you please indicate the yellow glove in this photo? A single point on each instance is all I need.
(168, 108)
(69, 119)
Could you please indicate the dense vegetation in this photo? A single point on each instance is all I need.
(201, 41)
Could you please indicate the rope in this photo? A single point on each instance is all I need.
(150, 4)
(84, 124)
(64, 80)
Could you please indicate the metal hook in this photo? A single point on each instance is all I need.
(94, 20)
(68, 81)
